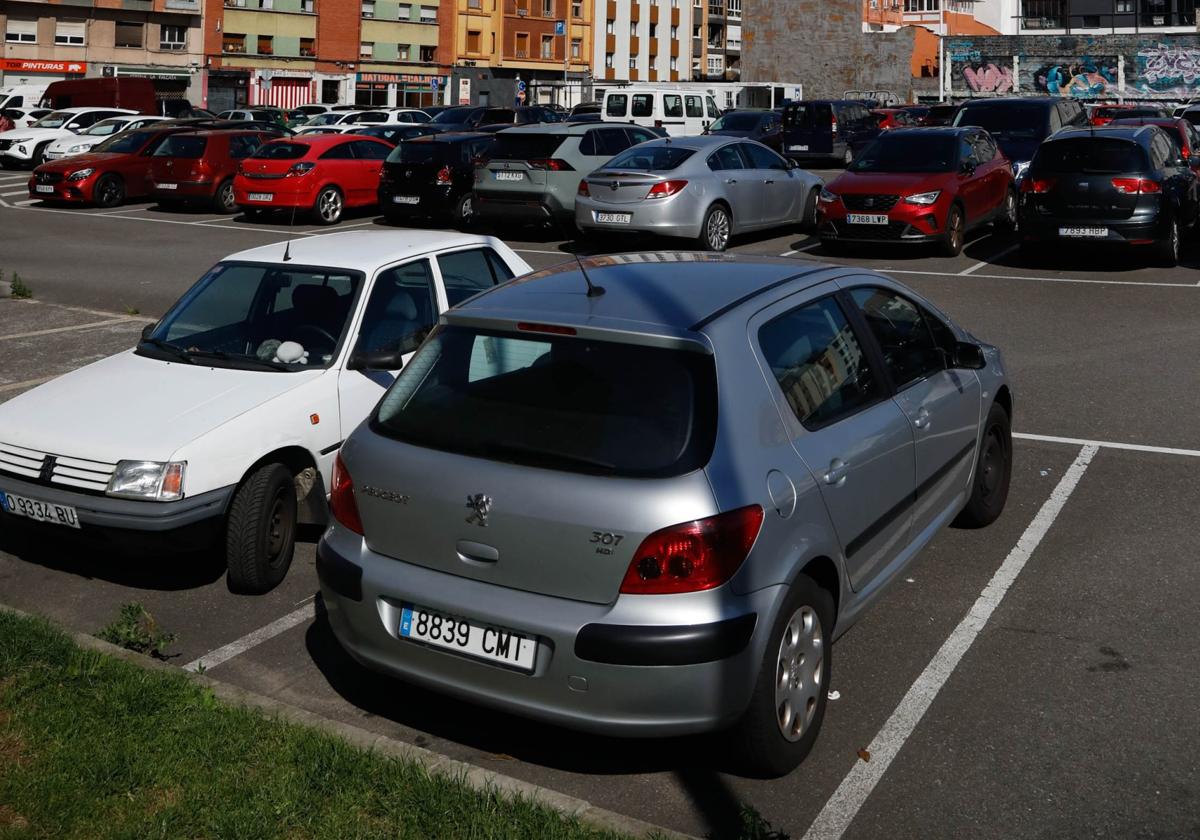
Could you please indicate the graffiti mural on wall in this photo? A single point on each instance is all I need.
(1166, 69)
(1080, 77)
(988, 78)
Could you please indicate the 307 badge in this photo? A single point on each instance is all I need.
(605, 541)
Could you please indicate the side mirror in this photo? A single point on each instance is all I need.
(967, 168)
(146, 330)
(791, 164)
(968, 356)
(375, 360)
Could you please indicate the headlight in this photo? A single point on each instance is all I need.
(80, 174)
(152, 480)
(827, 197)
(81, 147)
(923, 198)
(22, 140)
(1019, 168)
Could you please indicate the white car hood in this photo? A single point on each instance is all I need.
(133, 407)
(61, 145)
(35, 134)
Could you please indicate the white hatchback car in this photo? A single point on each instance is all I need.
(27, 146)
(77, 144)
(226, 418)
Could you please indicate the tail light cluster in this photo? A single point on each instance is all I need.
(444, 177)
(665, 189)
(833, 122)
(583, 188)
(341, 498)
(1136, 186)
(1037, 186)
(551, 165)
(693, 556)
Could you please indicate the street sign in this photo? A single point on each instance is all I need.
(520, 85)
(560, 27)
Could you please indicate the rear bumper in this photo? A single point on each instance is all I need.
(184, 191)
(666, 217)
(500, 206)
(279, 198)
(431, 202)
(1135, 231)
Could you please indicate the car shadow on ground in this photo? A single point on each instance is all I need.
(1093, 259)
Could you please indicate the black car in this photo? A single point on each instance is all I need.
(532, 114)
(1109, 186)
(834, 129)
(585, 109)
(762, 125)
(469, 118)
(432, 177)
(1020, 125)
(395, 132)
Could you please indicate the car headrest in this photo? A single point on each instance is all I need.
(402, 305)
(314, 301)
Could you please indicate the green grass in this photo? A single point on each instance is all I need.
(94, 747)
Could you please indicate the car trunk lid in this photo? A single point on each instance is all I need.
(1091, 178)
(622, 187)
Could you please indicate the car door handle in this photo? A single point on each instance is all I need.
(836, 474)
(769, 181)
(923, 418)
(731, 180)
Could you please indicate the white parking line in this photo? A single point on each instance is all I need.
(1104, 444)
(850, 795)
(12, 194)
(247, 229)
(223, 654)
(990, 260)
(1039, 279)
(27, 202)
(74, 328)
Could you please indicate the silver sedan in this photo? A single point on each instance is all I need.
(706, 189)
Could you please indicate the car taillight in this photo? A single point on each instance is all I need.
(551, 164)
(1136, 186)
(693, 556)
(1185, 153)
(302, 168)
(341, 498)
(583, 188)
(443, 176)
(833, 123)
(663, 189)
(1037, 185)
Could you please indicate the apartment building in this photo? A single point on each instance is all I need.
(644, 40)
(154, 39)
(723, 46)
(512, 52)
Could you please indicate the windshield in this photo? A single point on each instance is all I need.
(1009, 122)
(255, 316)
(908, 153)
(282, 151)
(105, 128)
(124, 144)
(453, 115)
(55, 119)
(418, 152)
(1090, 156)
(556, 402)
(325, 119)
(736, 122)
(648, 158)
(182, 146)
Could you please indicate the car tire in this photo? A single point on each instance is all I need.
(993, 472)
(716, 229)
(1167, 251)
(773, 736)
(109, 191)
(808, 220)
(464, 212)
(260, 532)
(327, 209)
(223, 199)
(955, 234)
(39, 156)
(1007, 219)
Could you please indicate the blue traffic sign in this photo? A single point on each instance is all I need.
(560, 27)
(520, 86)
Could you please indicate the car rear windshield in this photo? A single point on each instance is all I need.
(737, 122)
(282, 151)
(453, 115)
(1010, 121)
(424, 153)
(182, 147)
(647, 158)
(1090, 155)
(559, 402)
(908, 153)
(807, 115)
(526, 146)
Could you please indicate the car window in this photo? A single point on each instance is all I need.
(713, 110)
(672, 105)
(342, 151)
(616, 105)
(610, 141)
(465, 273)
(243, 145)
(401, 311)
(986, 148)
(819, 363)
(643, 105)
(500, 269)
(640, 135)
(367, 150)
(695, 106)
(761, 157)
(726, 157)
(909, 351)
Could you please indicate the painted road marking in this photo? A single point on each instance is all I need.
(850, 795)
(1038, 279)
(281, 625)
(972, 269)
(1104, 444)
(87, 326)
(12, 194)
(247, 228)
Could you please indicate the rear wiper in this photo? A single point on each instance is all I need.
(177, 353)
(227, 357)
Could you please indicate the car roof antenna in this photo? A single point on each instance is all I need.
(592, 289)
(287, 248)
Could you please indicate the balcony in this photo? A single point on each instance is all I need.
(674, 49)
(654, 14)
(635, 12)
(610, 43)
(653, 75)
(612, 9)
(635, 46)
(674, 15)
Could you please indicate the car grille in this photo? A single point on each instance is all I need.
(5, 145)
(49, 177)
(874, 203)
(890, 231)
(47, 468)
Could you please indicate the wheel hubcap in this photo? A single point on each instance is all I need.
(227, 196)
(718, 230)
(798, 673)
(331, 206)
(468, 208)
(279, 529)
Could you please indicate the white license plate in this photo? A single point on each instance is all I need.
(406, 199)
(1084, 232)
(44, 188)
(481, 641)
(866, 219)
(509, 176)
(168, 186)
(41, 511)
(615, 218)
(797, 148)
(261, 196)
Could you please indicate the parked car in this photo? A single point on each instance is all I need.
(223, 423)
(535, 114)
(344, 119)
(197, 167)
(586, 109)
(1183, 134)
(830, 129)
(313, 108)
(98, 133)
(1126, 187)
(1105, 114)
(944, 114)
(468, 118)
(108, 174)
(753, 124)
(685, 490)
(27, 146)
(707, 189)
(920, 185)
(684, 113)
(432, 177)
(322, 176)
(24, 117)
(408, 115)
(394, 132)
(1020, 125)
(532, 173)
(434, 110)
(23, 96)
(889, 118)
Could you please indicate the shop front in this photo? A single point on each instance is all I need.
(399, 90)
(29, 71)
(227, 89)
(283, 90)
(172, 84)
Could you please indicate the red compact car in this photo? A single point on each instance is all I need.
(197, 167)
(322, 174)
(1185, 135)
(1104, 114)
(919, 185)
(893, 118)
(107, 175)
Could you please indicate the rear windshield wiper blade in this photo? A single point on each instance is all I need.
(238, 360)
(177, 353)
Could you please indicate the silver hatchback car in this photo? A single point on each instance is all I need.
(646, 499)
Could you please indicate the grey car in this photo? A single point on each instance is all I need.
(646, 499)
(706, 189)
(533, 172)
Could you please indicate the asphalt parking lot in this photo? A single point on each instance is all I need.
(1032, 679)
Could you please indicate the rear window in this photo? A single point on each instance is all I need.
(1090, 155)
(282, 151)
(424, 153)
(808, 115)
(650, 158)
(182, 147)
(526, 146)
(557, 402)
(1014, 120)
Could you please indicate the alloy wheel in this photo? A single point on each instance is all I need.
(717, 230)
(955, 232)
(226, 198)
(329, 206)
(798, 673)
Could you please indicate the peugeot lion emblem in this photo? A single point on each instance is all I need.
(480, 506)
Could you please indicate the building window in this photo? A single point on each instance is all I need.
(308, 6)
(172, 37)
(21, 31)
(716, 66)
(610, 28)
(427, 54)
(674, 63)
(474, 4)
(266, 45)
(696, 31)
(404, 11)
(1091, 21)
(308, 47)
(366, 49)
(547, 46)
(576, 48)
(608, 60)
(674, 33)
(472, 42)
(522, 45)
(633, 33)
(547, 8)
(404, 51)
(1125, 7)
(368, 8)
(653, 29)
(429, 14)
(128, 35)
(633, 62)
(69, 33)
(734, 7)
(269, 5)
(233, 43)
(576, 8)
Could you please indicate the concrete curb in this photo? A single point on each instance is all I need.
(474, 777)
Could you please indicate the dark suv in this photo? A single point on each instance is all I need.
(432, 177)
(834, 129)
(1020, 125)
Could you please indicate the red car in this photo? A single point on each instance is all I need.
(1185, 135)
(111, 172)
(894, 118)
(1105, 114)
(197, 167)
(917, 185)
(322, 174)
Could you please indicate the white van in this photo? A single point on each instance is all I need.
(22, 96)
(682, 112)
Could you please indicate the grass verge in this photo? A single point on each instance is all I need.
(93, 747)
